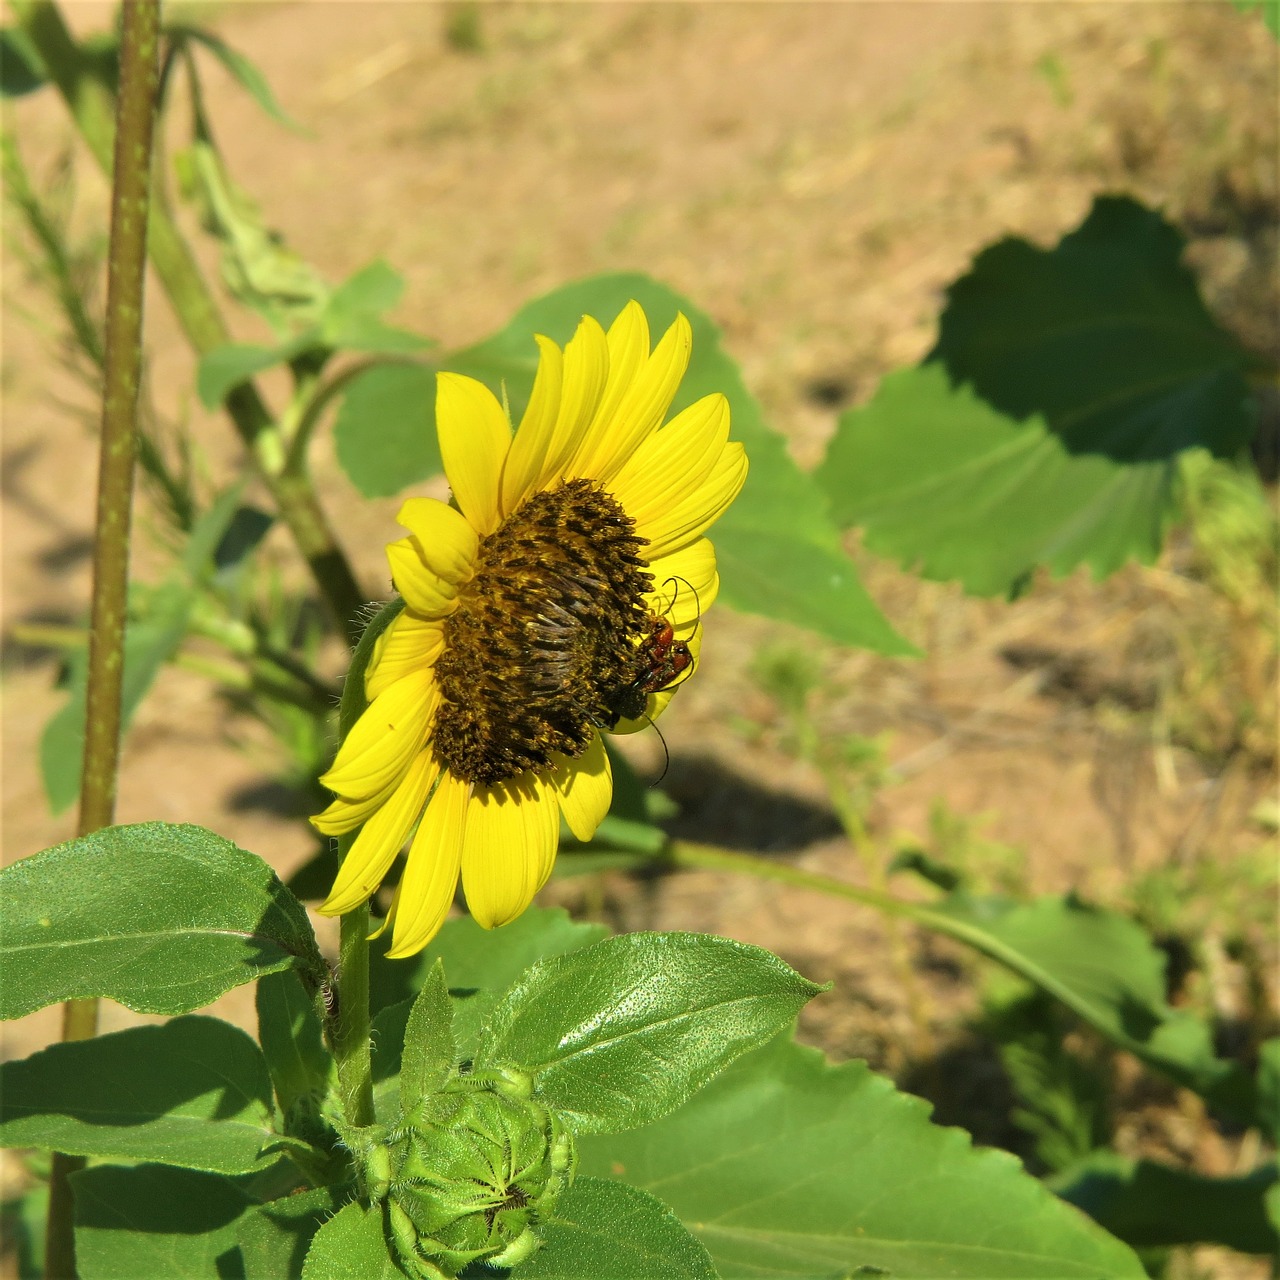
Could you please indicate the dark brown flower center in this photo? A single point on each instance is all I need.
(543, 645)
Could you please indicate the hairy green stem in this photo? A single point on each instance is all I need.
(122, 372)
(91, 108)
(350, 1036)
(348, 1023)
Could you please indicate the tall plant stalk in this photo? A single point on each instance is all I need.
(90, 105)
(122, 369)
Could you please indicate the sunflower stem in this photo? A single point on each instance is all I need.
(122, 370)
(90, 104)
(351, 1045)
(348, 1023)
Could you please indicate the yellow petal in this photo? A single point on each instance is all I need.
(512, 831)
(431, 874)
(383, 742)
(346, 815)
(424, 590)
(682, 524)
(532, 440)
(375, 848)
(409, 644)
(628, 341)
(586, 372)
(615, 436)
(672, 463)
(474, 439)
(685, 585)
(445, 540)
(658, 702)
(584, 788)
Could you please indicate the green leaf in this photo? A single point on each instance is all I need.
(242, 71)
(227, 367)
(1087, 370)
(477, 959)
(787, 1166)
(428, 1056)
(351, 1246)
(620, 1032)
(21, 70)
(350, 319)
(161, 918)
(193, 1092)
(1105, 968)
(370, 291)
(292, 1039)
(779, 554)
(150, 641)
(274, 1238)
(1150, 1205)
(385, 429)
(155, 1223)
(606, 1230)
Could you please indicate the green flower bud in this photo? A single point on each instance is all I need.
(473, 1173)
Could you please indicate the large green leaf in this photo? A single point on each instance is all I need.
(620, 1032)
(1150, 1205)
(605, 1230)
(477, 959)
(1046, 427)
(351, 1246)
(193, 1092)
(162, 918)
(1105, 968)
(787, 1166)
(155, 1223)
(385, 430)
(292, 1040)
(274, 1238)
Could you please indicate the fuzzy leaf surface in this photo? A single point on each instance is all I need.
(609, 1229)
(274, 1237)
(155, 1222)
(1047, 425)
(786, 1166)
(351, 1246)
(621, 1032)
(428, 1052)
(193, 1092)
(161, 918)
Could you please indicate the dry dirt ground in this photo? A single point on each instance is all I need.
(813, 176)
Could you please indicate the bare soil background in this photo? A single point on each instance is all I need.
(813, 175)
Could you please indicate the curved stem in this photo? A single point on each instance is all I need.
(320, 399)
(122, 371)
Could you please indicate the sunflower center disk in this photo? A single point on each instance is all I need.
(544, 643)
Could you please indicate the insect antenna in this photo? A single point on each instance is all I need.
(666, 755)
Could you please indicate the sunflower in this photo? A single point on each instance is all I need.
(559, 596)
